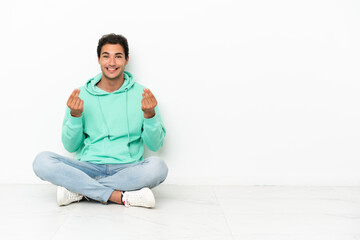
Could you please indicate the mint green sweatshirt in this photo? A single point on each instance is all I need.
(112, 128)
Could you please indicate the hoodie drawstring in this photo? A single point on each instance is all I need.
(127, 120)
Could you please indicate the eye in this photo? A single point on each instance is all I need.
(105, 56)
(118, 57)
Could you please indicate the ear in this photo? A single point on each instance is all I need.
(127, 60)
(99, 60)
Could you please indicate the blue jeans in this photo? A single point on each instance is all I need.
(98, 181)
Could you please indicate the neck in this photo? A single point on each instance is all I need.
(110, 85)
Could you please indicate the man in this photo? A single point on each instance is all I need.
(107, 122)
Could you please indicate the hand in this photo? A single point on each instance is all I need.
(148, 103)
(75, 104)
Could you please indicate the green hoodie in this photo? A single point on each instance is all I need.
(112, 128)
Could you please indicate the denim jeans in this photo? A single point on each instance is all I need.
(98, 181)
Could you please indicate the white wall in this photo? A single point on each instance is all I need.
(251, 92)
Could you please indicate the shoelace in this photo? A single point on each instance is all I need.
(73, 196)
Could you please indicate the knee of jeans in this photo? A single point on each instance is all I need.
(40, 161)
(160, 167)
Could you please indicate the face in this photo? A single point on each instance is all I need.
(112, 61)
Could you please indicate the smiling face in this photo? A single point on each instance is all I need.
(112, 61)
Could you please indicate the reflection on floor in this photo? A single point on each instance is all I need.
(187, 212)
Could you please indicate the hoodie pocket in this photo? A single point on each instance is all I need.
(117, 149)
(94, 151)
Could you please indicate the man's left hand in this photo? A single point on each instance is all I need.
(148, 103)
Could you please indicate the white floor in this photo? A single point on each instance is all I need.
(187, 212)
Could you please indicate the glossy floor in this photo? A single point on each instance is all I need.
(187, 212)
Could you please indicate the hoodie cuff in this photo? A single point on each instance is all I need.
(151, 122)
(75, 120)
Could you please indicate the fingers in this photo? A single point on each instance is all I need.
(77, 92)
(148, 101)
(74, 101)
(150, 97)
(77, 103)
(71, 97)
(74, 92)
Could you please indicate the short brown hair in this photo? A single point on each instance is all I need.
(113, 38)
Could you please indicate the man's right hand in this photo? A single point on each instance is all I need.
(75, 104)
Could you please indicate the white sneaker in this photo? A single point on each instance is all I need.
(141, 198)
(65, 197)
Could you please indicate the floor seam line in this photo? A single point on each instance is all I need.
(222, 211)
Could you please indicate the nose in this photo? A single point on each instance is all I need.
(112, 61)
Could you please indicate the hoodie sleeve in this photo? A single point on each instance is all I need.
(153, 132)
(72, 132)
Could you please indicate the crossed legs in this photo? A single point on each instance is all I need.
(98, 181)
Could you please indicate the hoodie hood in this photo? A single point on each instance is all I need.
(90, 85)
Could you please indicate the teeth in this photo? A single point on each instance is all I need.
(111, 69)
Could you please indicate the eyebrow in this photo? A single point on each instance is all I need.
(109, 53)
